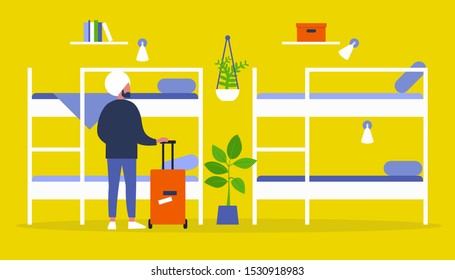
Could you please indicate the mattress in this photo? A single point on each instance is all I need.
(133, 95)
(94, 179)
(95, 102)
(338, 178)
(340, 96)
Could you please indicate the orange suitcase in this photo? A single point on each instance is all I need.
(167, 194)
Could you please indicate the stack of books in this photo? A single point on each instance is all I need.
(93, 31)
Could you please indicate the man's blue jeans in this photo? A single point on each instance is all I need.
(114, 166)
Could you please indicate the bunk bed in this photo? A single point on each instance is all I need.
(84, 187)
(309, 105)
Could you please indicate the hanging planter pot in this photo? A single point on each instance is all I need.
(227, 94)
(227, 86)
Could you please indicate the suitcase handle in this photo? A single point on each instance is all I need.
(169, 192)
(311, 30)
(172, 142)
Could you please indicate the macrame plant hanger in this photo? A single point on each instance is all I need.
(228, 42)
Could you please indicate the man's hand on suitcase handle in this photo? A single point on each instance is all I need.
(162, 140)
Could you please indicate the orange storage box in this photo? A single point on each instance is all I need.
(311, 32)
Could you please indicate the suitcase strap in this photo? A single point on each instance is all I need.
(172, 142)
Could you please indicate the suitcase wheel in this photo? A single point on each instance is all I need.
(185, 225)
(150, 224)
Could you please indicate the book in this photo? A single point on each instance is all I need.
(106, 31)
(100, 32)
(92, 31)
(89, 31)
(95, 28)
(86, 31)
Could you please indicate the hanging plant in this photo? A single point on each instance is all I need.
(227, 77)
(227, 74)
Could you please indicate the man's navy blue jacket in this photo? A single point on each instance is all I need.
(120, 127)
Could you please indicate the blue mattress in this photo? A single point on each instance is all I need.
(133, 95)
(94, 179)
(95, 102)
(338, 178)
(340, 96)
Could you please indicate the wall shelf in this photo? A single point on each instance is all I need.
(98, 43)
(310, 43)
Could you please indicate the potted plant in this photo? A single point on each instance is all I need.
(227, 75)
(225, 161)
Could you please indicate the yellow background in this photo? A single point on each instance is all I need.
(191, 34)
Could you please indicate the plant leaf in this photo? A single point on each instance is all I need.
(215, 167)
(238, 184)
(216, 181)
(218, 154)
(234, 147)
(245, 163)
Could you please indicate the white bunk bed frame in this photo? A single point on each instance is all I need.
(83, 190)
(308, 108)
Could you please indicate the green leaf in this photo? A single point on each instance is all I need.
(216, 168)
(245, 163)
(232, 85)
(234, 147)
(216, 181)
(238, 184)
(223, 84)
(223, 77)
(218, 154)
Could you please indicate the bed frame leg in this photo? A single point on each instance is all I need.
(307, 211)
(82, 212)
(200, 211)
(255, 212)
(29, 212)
(425, 211)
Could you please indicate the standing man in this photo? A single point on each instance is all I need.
(120, 127)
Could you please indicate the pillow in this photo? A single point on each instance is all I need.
(403, 168)
(408, 79)
(186, 162)
(176, 85)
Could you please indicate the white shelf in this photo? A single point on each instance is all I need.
(310, 43)
(98, 43)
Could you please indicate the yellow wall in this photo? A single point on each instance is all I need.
(191, 34)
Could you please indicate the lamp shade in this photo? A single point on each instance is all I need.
(367, 137)
(142, 55)
(347, 51)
